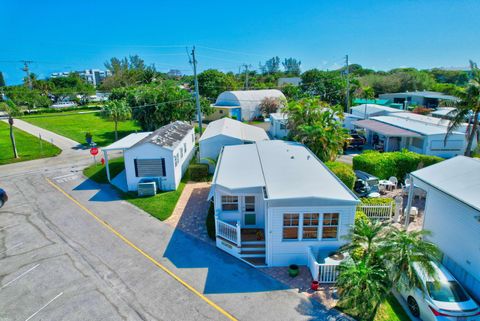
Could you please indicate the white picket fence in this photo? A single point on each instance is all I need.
(377, 212)
(323, 273)
(228, 231)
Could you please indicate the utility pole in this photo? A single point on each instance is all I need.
(347, 94)
(246, 75)
(27, 71)
(193, 61)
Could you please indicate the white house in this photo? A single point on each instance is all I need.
(429, 99)
(292, 81)
(370, 110)
(452, 214)
(402, 130)
(162, 156)
(242, 104)
(274, 200)
(226, 132)
(278, 125)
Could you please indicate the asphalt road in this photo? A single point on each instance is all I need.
(71, 250)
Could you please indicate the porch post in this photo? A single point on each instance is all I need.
(411, 193)
(239, 234)
(105, 153)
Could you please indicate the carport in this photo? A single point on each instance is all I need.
(386, 130)
(122, 145)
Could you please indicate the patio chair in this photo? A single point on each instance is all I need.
(382, 189)
(393, 180)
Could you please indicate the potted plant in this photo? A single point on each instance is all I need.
(293, 270)
(259, 235)
(314, 285)
(88, 138)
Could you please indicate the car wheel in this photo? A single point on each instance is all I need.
(413, 307)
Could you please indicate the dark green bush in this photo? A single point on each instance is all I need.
(398, 164)
(198, 172)
(344, 172)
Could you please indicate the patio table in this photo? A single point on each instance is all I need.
(388, 185)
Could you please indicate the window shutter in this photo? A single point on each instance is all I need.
(164, 172)
(136, 167)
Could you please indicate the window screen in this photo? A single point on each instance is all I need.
(150, 167)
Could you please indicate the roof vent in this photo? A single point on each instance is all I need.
(292, 157)
(308, 157)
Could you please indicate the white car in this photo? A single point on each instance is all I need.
(444, 300)
(64, 104)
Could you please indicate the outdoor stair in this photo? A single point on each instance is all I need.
(253, 252)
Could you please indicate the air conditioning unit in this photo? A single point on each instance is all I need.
(147, 189)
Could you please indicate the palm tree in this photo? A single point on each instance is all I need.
(117, 110)
(469, 104)
(366, 238)
(362, 287)
(316, 124)
(12, 110)
(403, 249)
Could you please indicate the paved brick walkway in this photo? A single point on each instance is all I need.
(191, 211)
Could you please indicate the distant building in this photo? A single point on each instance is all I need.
(278, 125)
(294, 81)
(429, 99)
(92, 76)
(381, 102)
(174, 73)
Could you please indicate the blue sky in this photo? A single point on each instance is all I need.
(382, 34)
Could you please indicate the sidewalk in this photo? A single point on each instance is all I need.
(67, 145)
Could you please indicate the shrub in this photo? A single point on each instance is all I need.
(210, 222)
(344, 172)
(198, 172)
(377, 201)
(398, 164)
(360, 216)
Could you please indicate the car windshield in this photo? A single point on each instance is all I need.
(373, 181)
(446, 292)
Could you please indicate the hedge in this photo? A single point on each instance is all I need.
(344, 172)
(377, 201)
(210, 222)
(398, 164)
(198, 172)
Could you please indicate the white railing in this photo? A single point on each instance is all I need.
(228, 231)
(377, 212)
(323, 273)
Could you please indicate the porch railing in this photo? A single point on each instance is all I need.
(377, 212)
(229, 231)
(323, 273)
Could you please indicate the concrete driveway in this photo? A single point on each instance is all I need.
(57, 262)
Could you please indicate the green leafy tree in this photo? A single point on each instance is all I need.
(271, 66)
(156, 105)
(129, 71)
(292, 66)
(2, 80)
(329, 86)
(212, 83)
(12, 110)
(316, 124)
(116, 111)
(467, 109)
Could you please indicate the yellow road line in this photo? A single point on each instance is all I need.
(151, 259)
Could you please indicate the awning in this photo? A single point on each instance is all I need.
(385, 129)
(127, 141)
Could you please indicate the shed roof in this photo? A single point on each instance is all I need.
(287, 170)
(246, 97)
(168, 136)
(458, 177)
(444, 111)
(414, 125)
(385, 129)
(372, 109)
(279, 116)
(234, 128)
(424, 93)
(127, 141)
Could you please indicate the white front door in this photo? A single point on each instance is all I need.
(249, 213)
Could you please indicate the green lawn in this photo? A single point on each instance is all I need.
(160, 206)
(98, 172)
(391, 310)
(28, 146)
(74, 125)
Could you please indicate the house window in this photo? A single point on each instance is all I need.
(290, 226)
(181, 153)
(310, 225)
(283, 126)
(193, 138)
(229, 203)
(176, 159)
(220, 111)
(417, 142)
(249, 203)
(330, 226)
(185, 147)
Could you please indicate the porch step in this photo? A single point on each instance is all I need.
(253, 251)
(253, 243)
(255, 261)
